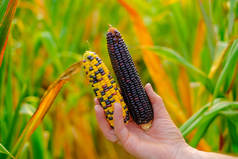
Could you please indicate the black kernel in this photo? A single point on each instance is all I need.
(102, 93)
(107, 102)
(100, 70)
(100, 99)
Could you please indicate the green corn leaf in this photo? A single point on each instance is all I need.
(230, 62)
(3, 7)
(172, 55)
(208, 116)
(231, 115)
(231, 18)
(65, 26)
(196, 116)
(5, 26)
(211, 39)
(181, 28)
(5, 151)
(37, 140)
(192, 120)
(50, 44)
(201, 132)
(12, 125)
(233, 131)
(9, 98)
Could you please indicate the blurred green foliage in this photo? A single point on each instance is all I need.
(46, 37)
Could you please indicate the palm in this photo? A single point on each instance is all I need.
(156, 133)
(163, 132)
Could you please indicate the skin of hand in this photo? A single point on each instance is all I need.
(162, 141)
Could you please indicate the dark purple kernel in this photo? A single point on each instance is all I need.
(112, 81)
(90, 58)
(132, 90)
(102, 93)
(105, 108)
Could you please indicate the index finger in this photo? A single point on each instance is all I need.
(108, 132)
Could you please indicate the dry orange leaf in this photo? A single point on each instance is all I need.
(199, 43)
(184, 90)
(45, 104)
(153, 63)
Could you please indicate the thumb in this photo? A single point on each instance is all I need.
(157, 103)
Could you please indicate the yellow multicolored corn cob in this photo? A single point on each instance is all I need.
(104, 86)
(128, 78)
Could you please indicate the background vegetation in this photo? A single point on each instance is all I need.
(187, 49)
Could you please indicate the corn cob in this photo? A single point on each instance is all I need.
(104, 86)
(132, 89)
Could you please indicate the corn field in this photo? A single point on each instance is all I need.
(188, 51)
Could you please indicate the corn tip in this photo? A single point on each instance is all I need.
(88, 53)
(146, 126)
(112, 29)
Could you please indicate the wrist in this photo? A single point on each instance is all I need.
(189, 152)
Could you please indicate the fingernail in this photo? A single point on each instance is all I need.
(149, 85)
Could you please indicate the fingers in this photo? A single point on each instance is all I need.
(157, 103)
(103, 124)
(120, 129)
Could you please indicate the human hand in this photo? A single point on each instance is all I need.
(162, 140)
